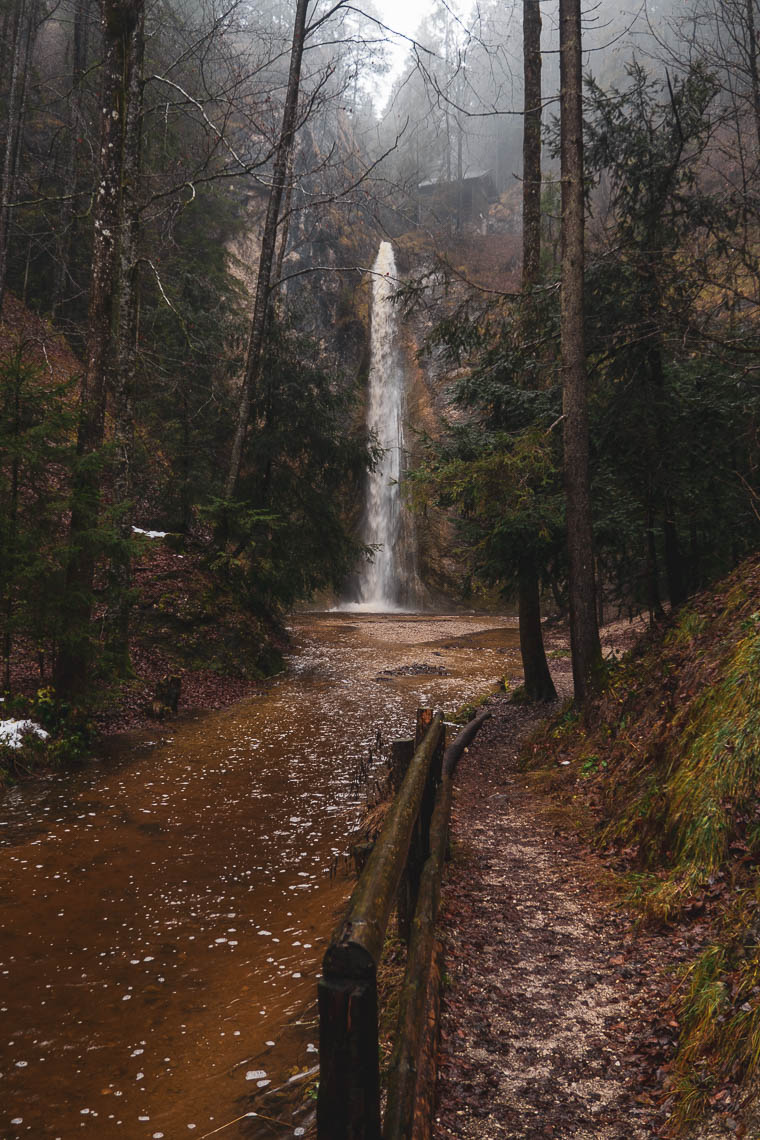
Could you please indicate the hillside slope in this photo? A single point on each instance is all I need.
(667, 770)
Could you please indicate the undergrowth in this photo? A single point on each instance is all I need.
(718, 1008)
(667, 763)
(69, 734)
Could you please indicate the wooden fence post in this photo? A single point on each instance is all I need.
(419, 848)
(401, 755)
(413, 1045)
(424, 721)
(348, 1105)
(349, 1065)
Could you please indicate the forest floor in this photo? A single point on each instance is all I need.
(554, 1019)
(182, 626)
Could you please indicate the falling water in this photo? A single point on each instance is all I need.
(390, 581)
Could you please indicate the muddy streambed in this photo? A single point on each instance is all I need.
(164, 910)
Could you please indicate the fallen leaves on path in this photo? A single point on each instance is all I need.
(553, 1022)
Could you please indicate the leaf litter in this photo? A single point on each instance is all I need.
(552, 1017)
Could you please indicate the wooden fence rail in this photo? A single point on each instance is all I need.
(404, 868)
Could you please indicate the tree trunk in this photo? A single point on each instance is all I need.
(538, 682)
(674, 567)
(9, 550)
(654, 605)
(67, 223)
(753, 68)
(460, 176)
(531, 196)
(122, 374)
(661, 496)
(599, 595)
(186, 463)
(24, 28)
(268, 244)
(284, 233)
(694, 575)
(6, 40)
(119, 19)
(584, 632)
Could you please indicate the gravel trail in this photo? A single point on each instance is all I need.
(547, 993)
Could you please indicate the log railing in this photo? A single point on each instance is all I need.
(404, 868)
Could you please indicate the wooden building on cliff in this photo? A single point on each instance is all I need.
(459, 203)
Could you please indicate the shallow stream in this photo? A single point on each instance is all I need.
(164, 910)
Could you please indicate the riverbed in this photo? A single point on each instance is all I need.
(165, 908)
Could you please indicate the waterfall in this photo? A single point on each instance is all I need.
(390, 581)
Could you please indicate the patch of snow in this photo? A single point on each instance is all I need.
(150, 533)
(12, 732)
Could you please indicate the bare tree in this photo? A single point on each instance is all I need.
(279, 209)
(268, 245)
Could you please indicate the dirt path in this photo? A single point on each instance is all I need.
(548, 991)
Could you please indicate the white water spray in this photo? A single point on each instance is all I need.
(390, 581)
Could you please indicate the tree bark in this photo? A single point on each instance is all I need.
(753, 68)
(654, 605)
(538, 682)
(24, 29)
(11, 535)
(67, 222)
(284, 233)
(460, 174)
(268, 245)
(531, 196)
(674, 567)
(124, 362)
(119, 18)
(661, 499)
(584, 632)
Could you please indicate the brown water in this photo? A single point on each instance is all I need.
(164, 910)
